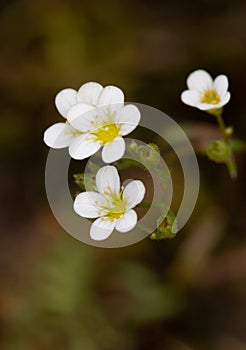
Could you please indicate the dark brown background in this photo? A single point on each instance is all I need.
(56, 293)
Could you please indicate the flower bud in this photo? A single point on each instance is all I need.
(218, 151)
(229, 130)
(133, 145)
(166, 228)
(79, 180)
(155, 147)
(149, 154)
(86, 182)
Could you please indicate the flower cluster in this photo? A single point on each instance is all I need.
(96, 117)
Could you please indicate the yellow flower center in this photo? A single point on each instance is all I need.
(210, 97)
(116, 206)
(118, 209)
(106, 133)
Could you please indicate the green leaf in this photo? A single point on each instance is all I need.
(238, 145)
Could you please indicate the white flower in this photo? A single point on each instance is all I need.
(112, 205)
(104, 126)
(62, 135)
(204, 93)
(96, 117)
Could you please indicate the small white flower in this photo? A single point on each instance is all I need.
(96, 117)
(204, 93)
(104, 126)
(112, 205)
(62, 135)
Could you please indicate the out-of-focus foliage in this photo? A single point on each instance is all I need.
(56, 293)
(71, 299)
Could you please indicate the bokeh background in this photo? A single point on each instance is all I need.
(188, 293)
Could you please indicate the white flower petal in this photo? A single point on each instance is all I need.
(114, 150)
(111, 95)
(64, 100)
(88, 204)
(127, 222)
(101, 229)
(84, 146)
(81, 117)
(225, 99)
(206, 106)
(128, 117)
(59, 135)
(200, 80)
(221, 85)
(89, 92)
(107, 178)
(134, 193)
(190, 97)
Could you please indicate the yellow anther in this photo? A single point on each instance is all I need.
(211, 97)
(106, 132)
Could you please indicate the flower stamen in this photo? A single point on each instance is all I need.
(106, 133)
(211, 97)
(73, 132)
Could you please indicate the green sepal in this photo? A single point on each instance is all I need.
(215, 111)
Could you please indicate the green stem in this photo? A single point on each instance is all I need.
(230, 163)
(222, 126)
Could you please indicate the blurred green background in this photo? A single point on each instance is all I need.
(188, 293)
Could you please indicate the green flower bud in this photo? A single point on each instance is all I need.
(79, 180)
(155, 147)
(229, 130)
(86, 182)
(133, 145)
(149, 154)
(166, 228)
(218, 151)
